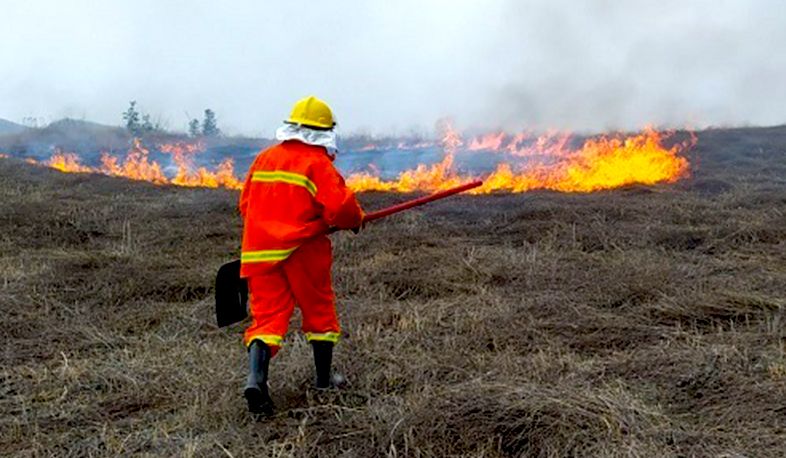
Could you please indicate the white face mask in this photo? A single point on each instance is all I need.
(326, 138)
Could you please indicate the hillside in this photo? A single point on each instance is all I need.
(8, 127)
(646, 321)
(65, 134)
(91, 140)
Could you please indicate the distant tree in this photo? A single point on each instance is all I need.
(149, 126)
(138, 123)
(210, 125)
(33, 122)
(131, 117)
(194, 128)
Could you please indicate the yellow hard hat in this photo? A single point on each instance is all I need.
(312, 112)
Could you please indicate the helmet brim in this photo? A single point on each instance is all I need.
(310, 126)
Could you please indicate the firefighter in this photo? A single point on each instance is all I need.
(292, 195)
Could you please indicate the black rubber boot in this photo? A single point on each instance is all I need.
(323, 358)
(256, 391)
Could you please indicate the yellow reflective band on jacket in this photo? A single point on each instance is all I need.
(247, 257)
(326, 336)
(285, 177)
(269, 339)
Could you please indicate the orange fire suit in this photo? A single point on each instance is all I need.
(292, 194)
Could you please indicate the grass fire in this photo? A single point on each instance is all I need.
(640, 320)
(410, 229)
(543, 162)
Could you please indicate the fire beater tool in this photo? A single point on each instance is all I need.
(232, 291)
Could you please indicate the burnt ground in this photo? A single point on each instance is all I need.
(646, 321)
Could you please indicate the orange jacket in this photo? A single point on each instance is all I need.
(292, 192)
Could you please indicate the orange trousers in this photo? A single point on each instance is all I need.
(303, 279)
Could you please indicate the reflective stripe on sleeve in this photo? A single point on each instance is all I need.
(269, 339)
(325, 336)
(248, 257)
(285, 177)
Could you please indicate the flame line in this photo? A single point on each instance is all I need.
(600, 163)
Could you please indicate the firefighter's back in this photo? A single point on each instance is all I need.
(278, 201)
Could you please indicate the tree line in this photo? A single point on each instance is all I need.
(139, 124)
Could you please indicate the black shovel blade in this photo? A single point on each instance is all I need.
(231, 295)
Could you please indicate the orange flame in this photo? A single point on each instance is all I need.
(189, 175)
(67, 162)
(491, 142)
(136, 165)
(601, 163)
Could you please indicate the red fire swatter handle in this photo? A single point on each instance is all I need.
(415, 203)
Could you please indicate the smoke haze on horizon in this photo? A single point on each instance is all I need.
(397, 67)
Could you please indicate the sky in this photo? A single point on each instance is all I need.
(396, 67)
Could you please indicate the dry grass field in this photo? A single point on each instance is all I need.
(641, 322)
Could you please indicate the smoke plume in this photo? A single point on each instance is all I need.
(397, 67)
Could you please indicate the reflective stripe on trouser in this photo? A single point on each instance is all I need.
(324, 336)
(270, 340)
(304, 280)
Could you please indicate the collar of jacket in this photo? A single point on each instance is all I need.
(332, 157)
(324, 138)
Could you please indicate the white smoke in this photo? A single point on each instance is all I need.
(399, 66)
(594, 65)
